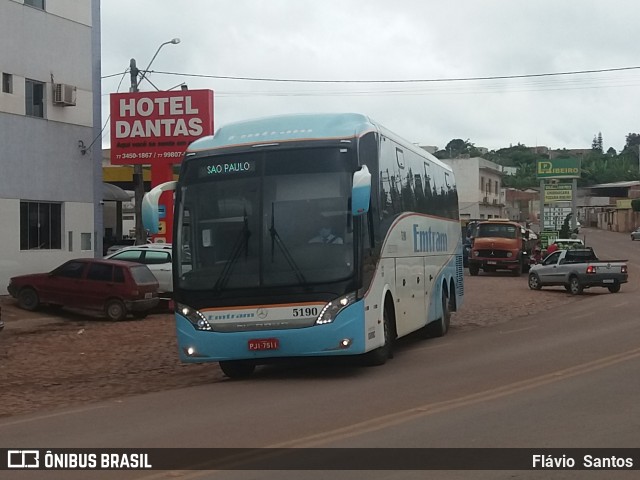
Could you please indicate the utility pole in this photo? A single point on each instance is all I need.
(138, 178)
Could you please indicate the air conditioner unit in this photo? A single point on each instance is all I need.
(64, 95)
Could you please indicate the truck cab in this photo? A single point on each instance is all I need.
(500, 245)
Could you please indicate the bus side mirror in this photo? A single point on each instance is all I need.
(361, 192)
(150, 213)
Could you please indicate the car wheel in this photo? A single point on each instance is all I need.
(115, 310)
(614, 288)
(28, 299)
(534, 282)
(473, 270)
(380, 355)
(574, 286)
(237, 368)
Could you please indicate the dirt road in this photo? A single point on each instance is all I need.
(54, 359)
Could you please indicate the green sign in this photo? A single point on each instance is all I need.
(547, 237)
(558, 193)
(558, 168)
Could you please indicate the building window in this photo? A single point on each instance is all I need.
(85, 241)
(35, 3)
(34, 97)
(7, 83)
(496, 188)
(482, 184)
(40, 226)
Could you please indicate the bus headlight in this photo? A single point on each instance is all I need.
(331, 309)
(196, 317)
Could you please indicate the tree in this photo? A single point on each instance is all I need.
(596, 145)
(457, 147)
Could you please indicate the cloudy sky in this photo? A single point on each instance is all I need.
(426, 69)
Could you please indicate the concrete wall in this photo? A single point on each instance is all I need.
(40, 157)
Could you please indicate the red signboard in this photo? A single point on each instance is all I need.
(156, 127)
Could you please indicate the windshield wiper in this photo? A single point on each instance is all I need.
(275, 239)
(241, 242)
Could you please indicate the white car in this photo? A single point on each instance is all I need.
(156, 256)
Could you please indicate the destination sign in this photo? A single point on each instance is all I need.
(226, 168)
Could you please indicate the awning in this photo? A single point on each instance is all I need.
(113, 193)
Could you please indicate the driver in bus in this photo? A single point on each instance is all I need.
(325, 235)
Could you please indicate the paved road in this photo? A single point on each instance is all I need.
(566, 378)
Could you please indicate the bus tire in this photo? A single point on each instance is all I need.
(236, 369)
(380, 355)
(440, 327)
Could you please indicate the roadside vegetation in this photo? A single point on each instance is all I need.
(598, 166)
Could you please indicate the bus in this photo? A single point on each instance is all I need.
(309, 235)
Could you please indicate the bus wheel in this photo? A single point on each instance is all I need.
(440, 327)
(237, 368)
(380, 355)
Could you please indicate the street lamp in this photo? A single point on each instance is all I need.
(135, 82)
(138, 180)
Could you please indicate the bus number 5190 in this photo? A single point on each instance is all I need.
(305, 312)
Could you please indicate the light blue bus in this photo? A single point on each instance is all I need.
(308, 236)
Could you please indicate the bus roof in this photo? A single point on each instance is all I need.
(285, 128)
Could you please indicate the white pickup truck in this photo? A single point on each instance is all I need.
(577, 269)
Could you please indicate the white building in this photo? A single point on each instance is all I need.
(50, 180)
(479, 183)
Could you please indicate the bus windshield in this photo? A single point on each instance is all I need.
(276, 218)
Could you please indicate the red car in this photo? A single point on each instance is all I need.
(113, 286)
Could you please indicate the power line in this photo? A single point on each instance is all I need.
(423, 80)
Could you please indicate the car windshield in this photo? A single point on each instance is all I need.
(496, 230)
(282, 221)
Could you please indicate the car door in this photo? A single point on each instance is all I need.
(549, 272)
(64, 284)
(159, 262)
(99, 285)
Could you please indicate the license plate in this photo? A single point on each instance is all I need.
(264, 344)
(148, 295)
(492, 262)
(608, 280)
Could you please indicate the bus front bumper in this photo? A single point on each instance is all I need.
(344, 336)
